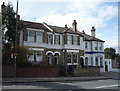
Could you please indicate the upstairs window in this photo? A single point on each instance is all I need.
(96, 45)
(75, 40)
(69, 40)
(31, 36)
(86, 45)
(50, 38)
(100, 46)
(39, 36)
(57, 39)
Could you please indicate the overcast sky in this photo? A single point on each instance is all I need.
(103, 15)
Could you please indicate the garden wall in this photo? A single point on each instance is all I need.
(38, 72)
(92, 71)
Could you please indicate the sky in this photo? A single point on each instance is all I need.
(103, 14)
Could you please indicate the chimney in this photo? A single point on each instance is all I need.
(93, 31)
(74, 24)
(66, 26)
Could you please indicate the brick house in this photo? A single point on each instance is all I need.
(62, 45)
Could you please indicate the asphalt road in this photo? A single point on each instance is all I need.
(96, 84)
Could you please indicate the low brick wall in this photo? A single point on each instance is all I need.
(38, 72)
(84, 72)
(8, 71)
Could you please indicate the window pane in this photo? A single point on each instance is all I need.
(50, 39)
(69, 39)
(31, 38)
(69, 58)
(75, 40)
(75, 56)
(39, 36)
(31, 33)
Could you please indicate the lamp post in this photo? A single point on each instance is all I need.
(15, 50)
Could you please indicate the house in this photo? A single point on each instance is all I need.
(62, 45)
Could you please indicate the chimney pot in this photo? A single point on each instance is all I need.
(66, 26)
(83, 31)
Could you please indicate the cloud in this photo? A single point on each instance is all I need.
(87, 13)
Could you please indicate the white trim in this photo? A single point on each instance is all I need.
(47, 26)
(49, 52)
(73, 34)
(72, 50)
(37, 49)
(57, 52)
(82, 57)
(35, 29)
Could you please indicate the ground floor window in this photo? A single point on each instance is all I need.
(101, 61)
(55, 61)
(49, 58)
(86, 61)
(96, 61)
(75, 57)
(91, 61)
(69, 57)
(36, 56)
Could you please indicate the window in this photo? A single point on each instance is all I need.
(69, 57)
(69, 40)
(49, 58)
(57, 39)
(86, 45)
(75, 40)
(100, 46)
(92, 61)
(38, 36)
(101, 61)
(96, 59)
(75, 57)
(31, 36)
(55, 59)
(96, 46)
(36, 56)
(86, 61)
(91, 46)
(50, 39)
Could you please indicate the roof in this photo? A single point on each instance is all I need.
(90, 38)
(35, 25)
(58, 29)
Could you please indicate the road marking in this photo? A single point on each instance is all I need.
(107, 86)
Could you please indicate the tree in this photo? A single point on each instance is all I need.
(9, 30)
(110, 53)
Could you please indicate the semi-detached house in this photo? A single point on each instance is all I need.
(62, 45)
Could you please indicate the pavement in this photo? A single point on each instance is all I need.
(52, 79)
(103, 76)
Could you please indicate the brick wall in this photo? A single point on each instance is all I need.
(8, 71)
(93, 71)
(38, 72)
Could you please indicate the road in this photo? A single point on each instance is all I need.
(95, 84)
